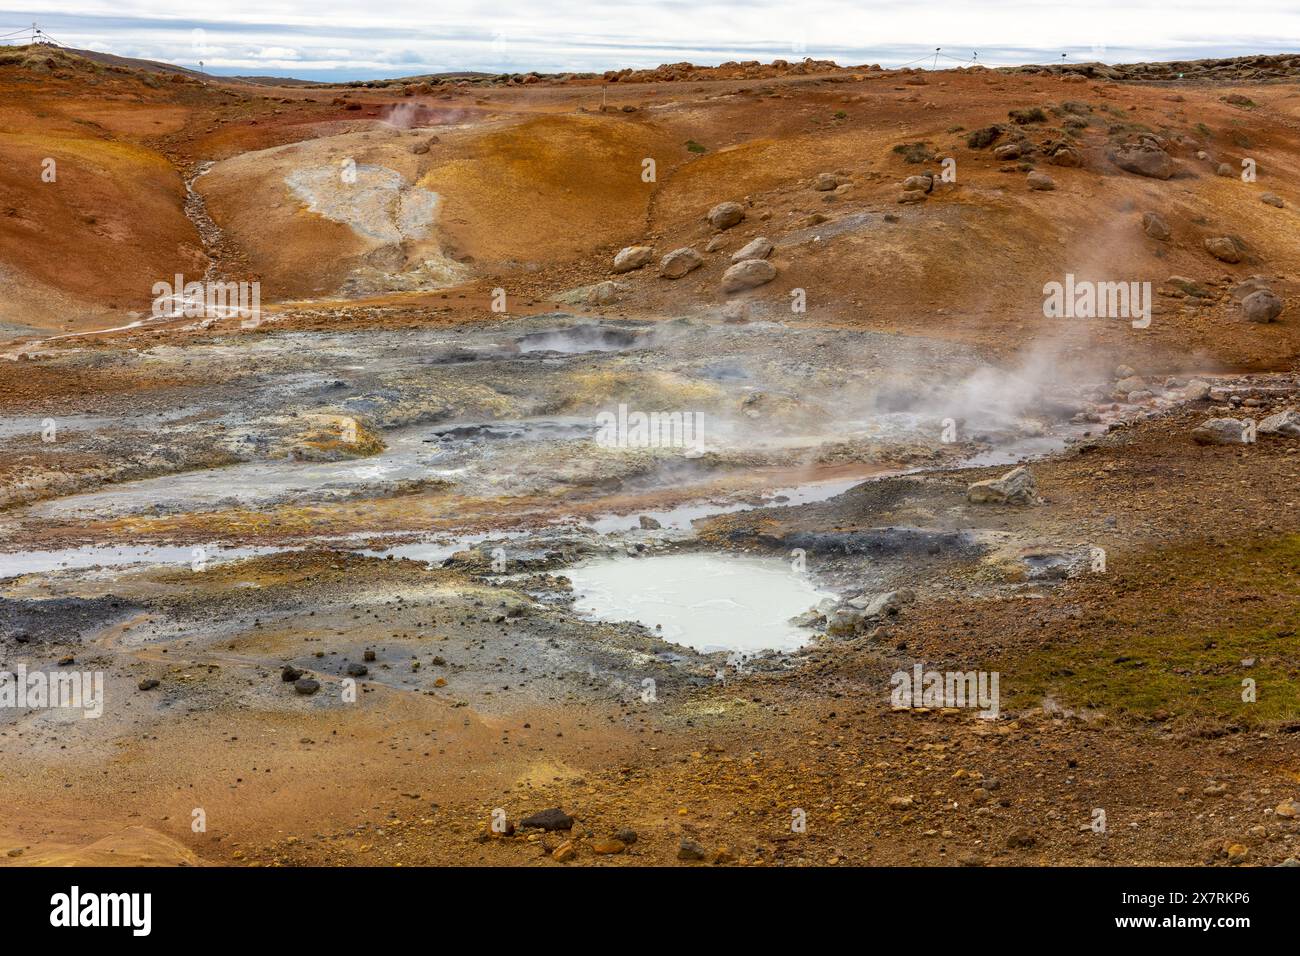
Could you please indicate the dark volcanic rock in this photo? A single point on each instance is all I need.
(690, 851)
(552, 819)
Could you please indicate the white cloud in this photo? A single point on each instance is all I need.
(276, 53)
(407, 36)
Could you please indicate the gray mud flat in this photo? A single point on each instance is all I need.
(498, 414)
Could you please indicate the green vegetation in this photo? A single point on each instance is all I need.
(1033, 114)
(1173, 641)
(980, 138)
(915, 152)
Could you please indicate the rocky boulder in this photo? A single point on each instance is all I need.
(1066, 155)
(679, 262)
(759, 248)
(632, 257)
(747, 274)
(1154, 225)
(1220, 431)
(1223, 248)
(1143, 159)
(887, 604)
(1263, 306)
(599, 293)
(726, 214)
(1016, 487)
(1040, 181)
(551, 819)
(1285, 424)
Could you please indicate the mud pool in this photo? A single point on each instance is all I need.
(706, 602)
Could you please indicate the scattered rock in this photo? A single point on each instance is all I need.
(1285, 423)
(1066, 155)
(1040, 181)
(1272, 199)
(887, 604)
(289, 674)
(550, 819)
(357, 670)
(722, 856)
(1021, 839)
(690, 851)
(306, 685)
(923, 183)
(1016, 487)
(565, 852)
(726, 214)
(900, 803)
(648, 523)
(1143, 159)
(748, 274)
(148, 683)
(1263, 306)
(759, 248)
(825, 182)
(626, 835)
(1223, 248)
(679, 262)
(599, 293)
(608, 846)
(1154, 225)
(1247, 286)
(632, 257)
(1188, 286)
(1220, 431)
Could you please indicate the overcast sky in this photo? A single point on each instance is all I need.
(346, 39)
